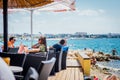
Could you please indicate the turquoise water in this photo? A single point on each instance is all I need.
(105, 45)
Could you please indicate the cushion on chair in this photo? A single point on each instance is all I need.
(7, 60)
(31, 74)
(46, 67)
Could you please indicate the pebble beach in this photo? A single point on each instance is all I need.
(102, 68)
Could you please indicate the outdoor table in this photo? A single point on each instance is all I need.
(16, 69)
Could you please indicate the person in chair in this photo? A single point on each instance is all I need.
(11, 42)
(39, 47)
(58, 46)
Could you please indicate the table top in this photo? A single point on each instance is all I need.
(16, 69)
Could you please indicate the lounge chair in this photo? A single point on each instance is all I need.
(34, 61)
(15, 59)
(58, 61)
(61, 59)
(32, 74)
(64, 57)
(45, 69)
(51, 54)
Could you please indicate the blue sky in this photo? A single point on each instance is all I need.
(91, 16)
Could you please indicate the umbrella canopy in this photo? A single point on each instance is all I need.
(56, 6)
(25, 3)
(59, 6)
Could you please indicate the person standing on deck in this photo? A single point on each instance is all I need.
(114, 52)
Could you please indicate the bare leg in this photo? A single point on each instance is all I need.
(113, 77)
(21, 49)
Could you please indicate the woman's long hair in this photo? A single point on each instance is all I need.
(43, 41)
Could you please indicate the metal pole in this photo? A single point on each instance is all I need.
(31, 26)
(5, 24)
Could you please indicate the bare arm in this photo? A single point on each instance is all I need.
(36, 45)
(33, 50)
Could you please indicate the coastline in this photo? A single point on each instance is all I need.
(100, 70)
(108, 66)
(109, 69)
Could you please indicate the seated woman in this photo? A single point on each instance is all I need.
(41, 48)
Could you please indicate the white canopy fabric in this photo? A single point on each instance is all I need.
(55, 6)
(59, 6)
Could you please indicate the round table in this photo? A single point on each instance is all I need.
(16, 69)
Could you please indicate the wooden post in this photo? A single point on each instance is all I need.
(5, 24)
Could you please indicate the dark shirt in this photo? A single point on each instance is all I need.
(57, 47)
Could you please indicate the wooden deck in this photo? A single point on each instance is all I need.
(73, 63)
(73, 71)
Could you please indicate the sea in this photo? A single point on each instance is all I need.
(100, 44)
(104, 45)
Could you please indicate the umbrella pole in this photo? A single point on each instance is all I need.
(5, 24)
(31, 26)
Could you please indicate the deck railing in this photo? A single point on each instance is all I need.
(85, 63)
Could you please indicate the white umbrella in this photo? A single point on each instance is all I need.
(56, 6)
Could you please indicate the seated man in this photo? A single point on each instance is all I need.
(11, 47)
(58, 46)
(11, 42)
